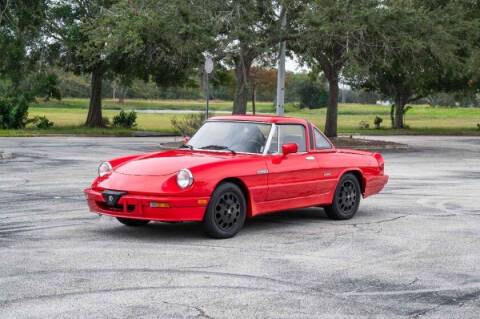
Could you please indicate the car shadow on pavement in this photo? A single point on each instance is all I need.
(153, 231)
(185, 231)
(286, 218)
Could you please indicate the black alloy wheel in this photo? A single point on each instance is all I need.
(226, 211)
(346, 199)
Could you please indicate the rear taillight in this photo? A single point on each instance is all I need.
(381, 164)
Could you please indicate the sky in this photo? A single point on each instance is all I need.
(293, 66)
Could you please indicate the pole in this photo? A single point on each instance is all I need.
(208, 70)
(281, 69)
(208, 93)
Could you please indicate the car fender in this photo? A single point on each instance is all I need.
(116, 162)
(249, 171)
(344, 171)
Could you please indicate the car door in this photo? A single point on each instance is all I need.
(323, 152)
(293, 175)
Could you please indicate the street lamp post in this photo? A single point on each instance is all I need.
(208, 70)
(281, 70)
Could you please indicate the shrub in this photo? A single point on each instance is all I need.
(46, 85)
(41, 122)
(363, 124)
(125, 120)
(13, 112)
(478, 126)
(106, 121)
(189, 124)
(377, 121)
(313, 96)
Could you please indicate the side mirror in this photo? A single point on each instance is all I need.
(186, 139)
(289, 148)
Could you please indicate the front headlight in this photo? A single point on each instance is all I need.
(184, 178)
(104, 169)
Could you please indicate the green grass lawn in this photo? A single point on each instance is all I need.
(421, 119)
(215, 105)
(69, 115)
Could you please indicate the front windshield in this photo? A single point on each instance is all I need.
(243, 137)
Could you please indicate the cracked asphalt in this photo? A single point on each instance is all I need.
(412, 251)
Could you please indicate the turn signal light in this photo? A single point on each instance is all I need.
(202, 202)
(159, 205)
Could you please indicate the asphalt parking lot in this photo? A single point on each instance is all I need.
(411, 252)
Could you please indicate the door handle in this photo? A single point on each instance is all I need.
(310, 158)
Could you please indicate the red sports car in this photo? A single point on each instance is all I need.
(236, 167)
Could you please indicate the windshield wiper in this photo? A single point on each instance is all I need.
(190, 147)
(218, 147)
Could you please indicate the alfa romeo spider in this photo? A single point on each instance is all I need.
(237, 167)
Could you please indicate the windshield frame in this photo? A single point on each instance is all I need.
(267, 143)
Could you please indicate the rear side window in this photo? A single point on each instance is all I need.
(321, 143)
(287, 133)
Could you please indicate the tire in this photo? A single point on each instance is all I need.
(346, 198)
(133, 222)
(226, 212)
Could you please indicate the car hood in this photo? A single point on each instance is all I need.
(165, 163)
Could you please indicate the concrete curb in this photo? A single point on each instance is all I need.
(154, 134)
(377, 148)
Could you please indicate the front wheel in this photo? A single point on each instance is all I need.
(133, 222)
(226, 212)
(346, 199)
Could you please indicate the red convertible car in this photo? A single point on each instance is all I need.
(237, 167)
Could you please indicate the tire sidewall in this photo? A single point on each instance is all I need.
(210, 224)
(338, 211)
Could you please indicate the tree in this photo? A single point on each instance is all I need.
(247, 31)
(222, 81)
(155, 41)
(333, 32)
(261, 79)
(20, 48)
(70, 25)
(20, 24)
(313, 95)
(124, 39)
(425, 53)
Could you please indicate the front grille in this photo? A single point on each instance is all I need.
(117, 208)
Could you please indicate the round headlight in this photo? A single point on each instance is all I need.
(104, 169)
(184, 178)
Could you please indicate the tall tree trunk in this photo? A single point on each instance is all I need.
(121, 95)
(242, 75)
(399, 106)
(114, 89)
(392, 114)
(254, 97)
(332, 108)
(94, 118)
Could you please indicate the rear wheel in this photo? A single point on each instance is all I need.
(346, 199)
(226, 211)
(133, 222)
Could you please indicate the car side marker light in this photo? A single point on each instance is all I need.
(159, 205)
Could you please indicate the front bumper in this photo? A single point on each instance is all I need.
(139, 207)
